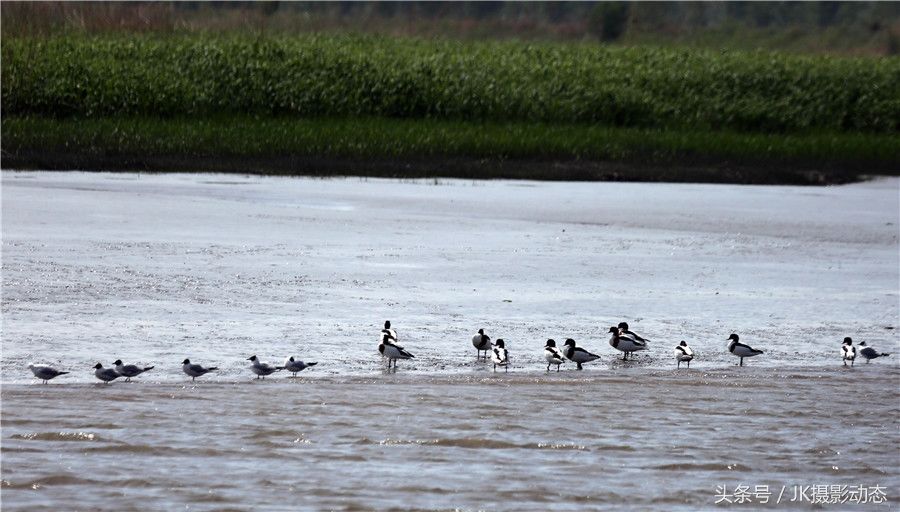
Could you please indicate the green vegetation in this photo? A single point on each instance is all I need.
(382, 137)
(84, 101)
(491, 81)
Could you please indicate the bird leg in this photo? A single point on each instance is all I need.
(579, 366)
(742, 361)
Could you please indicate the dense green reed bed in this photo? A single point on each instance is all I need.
(499, 81)
(382, 137)
(196, 101)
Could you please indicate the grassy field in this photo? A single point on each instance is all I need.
(206, 98)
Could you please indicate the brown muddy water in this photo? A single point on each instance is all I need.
(645, 439)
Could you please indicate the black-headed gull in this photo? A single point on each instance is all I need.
(45, 372)
(129, 370)
(870, 353)
(195, 370)
(105, 374)
(262, 369)
(295, 365)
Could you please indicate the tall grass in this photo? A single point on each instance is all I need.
(349, 76)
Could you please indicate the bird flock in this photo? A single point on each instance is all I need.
(119, 369)
(621, 338)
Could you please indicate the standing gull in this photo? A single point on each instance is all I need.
(500, 356)
(683, 353)
(625, 343)
(129, 370)
(848, 351)
(295, 366)
(482, 343)
(870, 353)
(553, 355)
(578, 355)
(741, 350)
(262, 369)
(45, 372)
(105, 374)
(391, 351)
(195, 370)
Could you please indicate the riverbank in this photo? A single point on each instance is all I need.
(428, 148)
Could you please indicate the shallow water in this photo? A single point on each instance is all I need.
(156, 268)
(651, 439)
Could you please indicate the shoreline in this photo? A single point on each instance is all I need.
(709, 375)
(446, 167)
